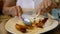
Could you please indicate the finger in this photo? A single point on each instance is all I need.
(41, 12)
(49, 2)
(41, 5)
(46, 4)
(19, 11)
(40, 8)
(14, 11)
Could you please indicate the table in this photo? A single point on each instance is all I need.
(54, 31)
(3, 31)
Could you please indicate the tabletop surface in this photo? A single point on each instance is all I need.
(4, 19)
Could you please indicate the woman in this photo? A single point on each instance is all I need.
(15, 7)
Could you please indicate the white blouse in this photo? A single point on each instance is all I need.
(28, 5)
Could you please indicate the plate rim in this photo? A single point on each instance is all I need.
(56, 24)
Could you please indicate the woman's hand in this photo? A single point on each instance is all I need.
(45, 4)
(14, 11)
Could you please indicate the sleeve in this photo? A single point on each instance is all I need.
(9, 3)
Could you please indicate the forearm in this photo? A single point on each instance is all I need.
(8, 4)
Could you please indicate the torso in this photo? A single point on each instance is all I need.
(28, 5)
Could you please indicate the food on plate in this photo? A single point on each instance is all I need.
(41, 23)
(23, 28)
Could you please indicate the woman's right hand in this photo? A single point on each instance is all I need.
(14, 11)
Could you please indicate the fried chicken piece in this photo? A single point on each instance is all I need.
(41, 23)
(21, 28)
(30, 27)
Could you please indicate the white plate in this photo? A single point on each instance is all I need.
(49, 25)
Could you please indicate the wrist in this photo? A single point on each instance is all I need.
(5, 11)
